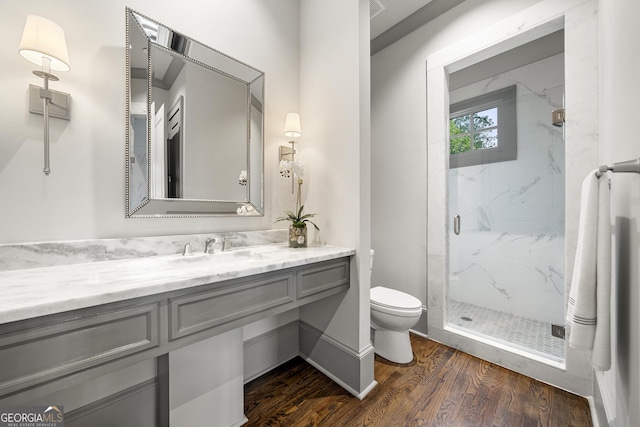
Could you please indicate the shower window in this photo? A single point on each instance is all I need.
(483, 129)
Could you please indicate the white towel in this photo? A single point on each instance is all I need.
(588, 313)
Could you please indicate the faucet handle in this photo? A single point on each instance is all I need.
(226, 245)
(187, 249)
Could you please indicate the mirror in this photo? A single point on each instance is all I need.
(194, 127)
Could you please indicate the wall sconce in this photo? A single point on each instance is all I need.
(293, 130)
(44, 44)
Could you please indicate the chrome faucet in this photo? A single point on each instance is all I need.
(210, 242)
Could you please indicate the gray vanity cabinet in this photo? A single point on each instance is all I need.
(44, 349)
(317, 279)
(43, 354)
(229, 305)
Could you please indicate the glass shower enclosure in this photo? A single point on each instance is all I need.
(507, 205)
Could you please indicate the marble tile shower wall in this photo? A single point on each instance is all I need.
(45, 254)
(509, 254)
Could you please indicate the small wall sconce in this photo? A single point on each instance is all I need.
(43, 43)
(293, 130)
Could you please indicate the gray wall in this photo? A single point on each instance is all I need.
(335, 110)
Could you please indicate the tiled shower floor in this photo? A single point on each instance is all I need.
(526, 334)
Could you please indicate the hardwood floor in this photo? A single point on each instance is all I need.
(441, 387)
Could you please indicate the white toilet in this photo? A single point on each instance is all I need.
(393, 313)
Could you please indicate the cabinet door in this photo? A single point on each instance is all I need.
(37, 354)
(196, 312)
(323, 279)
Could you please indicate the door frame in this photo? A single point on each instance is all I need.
(578, 18)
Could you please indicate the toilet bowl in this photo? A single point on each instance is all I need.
(393, 313)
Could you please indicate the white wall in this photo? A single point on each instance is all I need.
(84, 195)
(620, 89)
(334, 109)
(398, 142)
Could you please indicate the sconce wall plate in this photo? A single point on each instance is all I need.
(59, 107)
(293, 130)
(286, 153)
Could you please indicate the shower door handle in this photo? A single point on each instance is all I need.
(456, 224)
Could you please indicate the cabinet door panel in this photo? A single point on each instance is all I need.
(326, 276)
(35, 355)
(197, 312)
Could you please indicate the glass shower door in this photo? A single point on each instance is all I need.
(506, 207)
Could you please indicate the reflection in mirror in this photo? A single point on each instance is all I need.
(195, 126)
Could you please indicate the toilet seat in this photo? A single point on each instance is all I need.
(392, 298)
(395, 302)
(398, 312)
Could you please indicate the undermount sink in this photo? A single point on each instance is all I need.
(253, 254)
(191, 258)
(240, 255)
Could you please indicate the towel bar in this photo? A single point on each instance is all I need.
(628, 166)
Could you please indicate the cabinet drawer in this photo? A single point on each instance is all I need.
(322, 277)
(196, 312)
(39, 354)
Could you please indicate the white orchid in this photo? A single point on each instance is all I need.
(297, 167)
(288, 167)
(298, 228)
(285, 171)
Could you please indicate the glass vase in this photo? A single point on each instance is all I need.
(297, 237)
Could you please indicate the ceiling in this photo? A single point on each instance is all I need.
(394, 19)
(387, 13)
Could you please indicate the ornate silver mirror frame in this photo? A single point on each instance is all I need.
(194, 127)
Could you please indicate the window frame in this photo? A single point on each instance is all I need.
(505, 101)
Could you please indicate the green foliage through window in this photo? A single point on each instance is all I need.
(481, 127)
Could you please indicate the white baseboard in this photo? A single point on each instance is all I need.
(418, 333)
(594, 411)
(603, 410)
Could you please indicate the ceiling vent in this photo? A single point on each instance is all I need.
(375, 8)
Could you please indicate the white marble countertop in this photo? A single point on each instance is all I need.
(35, 292)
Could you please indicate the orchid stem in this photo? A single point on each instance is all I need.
(299, 197)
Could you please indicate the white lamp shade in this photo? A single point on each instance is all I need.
(292, 125)
(43, 38)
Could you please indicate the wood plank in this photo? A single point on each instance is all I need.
(441, 387)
